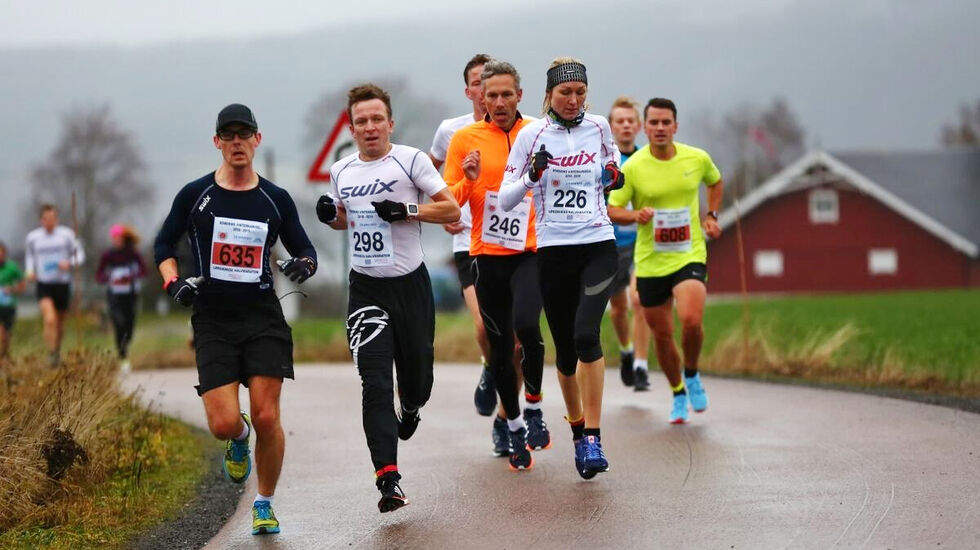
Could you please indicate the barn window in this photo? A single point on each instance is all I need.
(882, 261)
(768, 263)
(824, 207)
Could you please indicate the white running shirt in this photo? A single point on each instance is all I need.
(440, 146)
(405, 174)
(568, 199)
(45, 250)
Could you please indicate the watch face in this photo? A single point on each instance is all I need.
(413, 209)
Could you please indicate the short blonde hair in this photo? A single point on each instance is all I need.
(625, 102)
(546, 106)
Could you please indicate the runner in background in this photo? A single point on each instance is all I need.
(121, 268)
(662, 182)
(485, 396)
(624, 120)
(376, 197)
(51, 252)
(568, 161)
(11, 283)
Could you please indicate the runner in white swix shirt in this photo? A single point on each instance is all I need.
(568, 160)
(390, 311)
(405, 175)
(440, 144)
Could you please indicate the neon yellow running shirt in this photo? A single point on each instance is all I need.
(673, 238)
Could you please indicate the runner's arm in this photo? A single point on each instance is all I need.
(174, 225)
(29, 260)
(442, 209)
(294, 237)
(516, 183)
(459, 185)
(101, 276)
(618, 200)
(78, 251)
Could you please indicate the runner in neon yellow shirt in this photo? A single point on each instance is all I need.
(662, 181)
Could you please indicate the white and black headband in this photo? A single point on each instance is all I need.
(566, 72)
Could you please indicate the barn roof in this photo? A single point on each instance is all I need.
(939, 190)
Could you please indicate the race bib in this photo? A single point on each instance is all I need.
(672, 230)
(507, 229)
(48, 264)
(371, 244)
(571, 195)
(237, 248)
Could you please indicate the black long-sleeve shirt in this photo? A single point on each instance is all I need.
(231, 234)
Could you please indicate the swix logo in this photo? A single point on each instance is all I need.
(207, 199)
(368, 189)
(580, 159)
(508, 169)
(365, 325)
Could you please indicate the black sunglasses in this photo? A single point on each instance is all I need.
(228, 135)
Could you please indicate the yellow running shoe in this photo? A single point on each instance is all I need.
(238, 464)
(264, 520)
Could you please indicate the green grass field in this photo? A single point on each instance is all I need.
(929, 340)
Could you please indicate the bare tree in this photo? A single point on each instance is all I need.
(750, 143)
(965, 132)
(99, 162)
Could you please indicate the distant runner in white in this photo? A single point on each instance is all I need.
(391, 315)
(485, 396)
(51, 251)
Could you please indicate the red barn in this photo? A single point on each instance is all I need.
(856, 222)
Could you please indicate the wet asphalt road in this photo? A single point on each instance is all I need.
(765, 467)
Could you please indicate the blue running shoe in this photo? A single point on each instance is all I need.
(237, 463)
(538, 436)
(485, 396)
(696, 393)
(580, 457)
(520, 453)
(594, 460)
(501, 437)
(678, 413)
(264, 520)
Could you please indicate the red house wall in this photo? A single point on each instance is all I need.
(834, 257)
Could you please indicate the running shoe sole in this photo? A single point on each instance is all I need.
(522, 468)
(265, 531)
(392, 503)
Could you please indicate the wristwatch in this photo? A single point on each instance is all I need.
(413, 210)
(713, 214)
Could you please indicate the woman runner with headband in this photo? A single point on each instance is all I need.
(568, 160)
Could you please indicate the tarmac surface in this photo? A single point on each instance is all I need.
(767, 466)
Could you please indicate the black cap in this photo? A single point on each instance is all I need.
(236, 112)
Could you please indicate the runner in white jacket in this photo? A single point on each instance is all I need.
(568, 160)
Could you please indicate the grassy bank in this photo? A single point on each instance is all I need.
(83, 466)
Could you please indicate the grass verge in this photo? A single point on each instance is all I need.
(81, 465)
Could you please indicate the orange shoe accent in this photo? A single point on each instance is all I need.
(385, 470)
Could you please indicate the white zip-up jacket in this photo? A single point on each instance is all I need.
(568, 199)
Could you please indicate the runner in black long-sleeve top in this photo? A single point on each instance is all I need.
(232, 218)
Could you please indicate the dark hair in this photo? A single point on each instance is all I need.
(46, 207)
(478, 59)
(660, 103)
(366, 92)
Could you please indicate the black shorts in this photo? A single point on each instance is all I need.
(237, 339)
(464, 268)
(655, 291)
(60, 294)
(624, 268)
(7, 316)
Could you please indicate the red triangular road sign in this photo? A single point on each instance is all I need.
(334, 144)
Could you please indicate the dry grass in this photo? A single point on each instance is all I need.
(818, 357)
(64, 431)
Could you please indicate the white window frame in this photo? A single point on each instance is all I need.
(882, 261)
(824, 215)
(768, 263)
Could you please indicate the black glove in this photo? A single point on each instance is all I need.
(326, 209)
(297, 269)
(183, 291)
(391, 211)
(612, 177)
(539, 162)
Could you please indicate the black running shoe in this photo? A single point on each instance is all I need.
(501, 437)
(520, 453)
(408, 423)
(641, 380)
(626, 367)
(392, 496)
(485, 396)
(538, 436)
